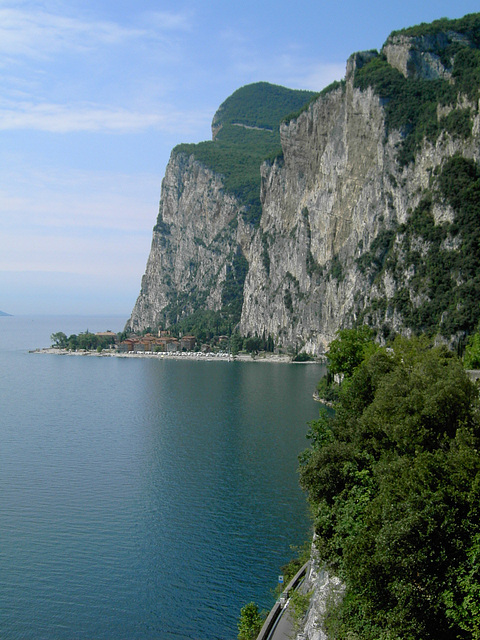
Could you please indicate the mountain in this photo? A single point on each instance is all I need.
(2, 313)
(209, 208)
(361, 206)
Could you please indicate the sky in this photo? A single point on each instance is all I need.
(96, 93)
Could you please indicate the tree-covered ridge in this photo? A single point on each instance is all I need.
(393, 478)
(238, 151)
(260, 105)
(469, 25)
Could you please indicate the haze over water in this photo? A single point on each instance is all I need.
(143, 498)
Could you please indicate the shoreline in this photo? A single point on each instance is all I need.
(184, 355)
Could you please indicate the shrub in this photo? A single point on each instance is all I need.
(250, 622)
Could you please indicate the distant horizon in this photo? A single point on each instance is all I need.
(33, 314)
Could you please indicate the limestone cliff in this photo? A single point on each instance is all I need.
(194, 244)
(356, 209)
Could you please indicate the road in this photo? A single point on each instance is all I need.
(279, 625)
(284, 627)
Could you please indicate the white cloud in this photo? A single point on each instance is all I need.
(38, 33)
(63, 73)
(35, 32)
(62, 119)
(168, 21)
(58, 118)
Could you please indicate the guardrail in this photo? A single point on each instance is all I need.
(277, 608)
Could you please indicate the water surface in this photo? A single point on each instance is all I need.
(143, 498)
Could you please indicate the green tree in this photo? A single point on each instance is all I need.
(87, 340)
(59, 340)
(250, 622)
(393, 478)
(347, 351)
(236, 343)
(72, 342)
(270, 344)
(471, 358)
(298, 607)
(253, 344)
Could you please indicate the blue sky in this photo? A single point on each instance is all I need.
(96, 93)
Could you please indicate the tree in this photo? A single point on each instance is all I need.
(270, 344)
(250, 622)
(236, 343)
(393, 478)
(298, 607)
(87, 340)
(253, 344)
(347, 351)
(59, 340)
(471, 358)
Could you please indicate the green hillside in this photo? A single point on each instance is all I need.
(237, 150)
(260, 105)
(393, 479)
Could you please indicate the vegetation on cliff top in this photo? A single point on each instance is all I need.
(393, 478)
(248, 133)
(336, 84)
(237, 154)
(411, 104)
(468, 25)
(260, 105)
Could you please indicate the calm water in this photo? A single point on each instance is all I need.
(141, 498)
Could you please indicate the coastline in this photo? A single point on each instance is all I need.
(184, 355)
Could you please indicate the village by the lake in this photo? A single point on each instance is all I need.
(163, 344)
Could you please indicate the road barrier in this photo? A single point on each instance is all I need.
(277, 608)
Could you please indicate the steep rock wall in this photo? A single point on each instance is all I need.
(322, 204)
(194, 241)
(338, 186)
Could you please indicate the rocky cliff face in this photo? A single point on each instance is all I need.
(330, 249)
(195, 241)
(320, 204)
(337, 188)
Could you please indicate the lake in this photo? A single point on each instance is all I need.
(143, 498)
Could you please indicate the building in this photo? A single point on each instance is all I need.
(187, 343)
